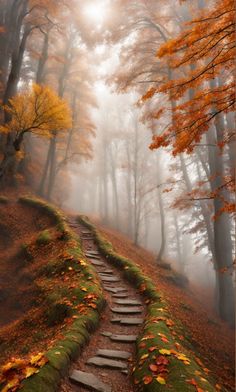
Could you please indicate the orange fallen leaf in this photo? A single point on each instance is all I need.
(153, 368)
(147, 380)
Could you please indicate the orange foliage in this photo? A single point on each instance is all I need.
(204, 51)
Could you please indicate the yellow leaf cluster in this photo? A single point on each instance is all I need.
(38, 110)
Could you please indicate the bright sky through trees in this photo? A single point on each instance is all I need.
(96, 11)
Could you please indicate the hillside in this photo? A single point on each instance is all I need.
(202, 327)
(52, 297)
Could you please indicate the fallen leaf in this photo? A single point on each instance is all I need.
(153, 368)
(163, 351)
(147, 380)
(161, 380)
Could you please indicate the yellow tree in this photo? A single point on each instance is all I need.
(39, 111)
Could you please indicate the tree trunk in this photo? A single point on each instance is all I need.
(222, 230)
(52, 167)
(162, 220)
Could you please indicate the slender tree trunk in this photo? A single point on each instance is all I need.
(129, 194)
(115, 188)
(42, 184)
(52, 168)
(162, 221)
(178, 244)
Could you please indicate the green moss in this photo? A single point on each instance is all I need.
(59, 359)
(43, 238)
(57, 313)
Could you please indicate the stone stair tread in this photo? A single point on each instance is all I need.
(106, 273)
(110, 279)
(128, 321)
(108, 334)
(129, 302)
(115, 289)
(88, 380)
(120, 295)
(97, 263)
(107, 362)
(94, 252)
(92, 256)
(126, 310)
(111, 289)
(113, 354)
(123, 338)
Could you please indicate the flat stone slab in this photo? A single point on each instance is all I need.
(97, 263)
(128, 321)
(113, 354)
(105, 274)
(129, 302)
(94, 252)
(120, 295)
(114, 290)
(85, 232)
(92, 256)
(108, 271)
(106, 362)
(126, 310)
(111, 289)
(110, 278)
(88, 380)
(108, 334)
(124, 338)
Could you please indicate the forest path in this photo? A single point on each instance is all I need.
(105, 363)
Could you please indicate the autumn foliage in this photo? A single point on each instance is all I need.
(203, 52)
(38, 110)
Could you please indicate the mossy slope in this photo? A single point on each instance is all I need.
(90, 302)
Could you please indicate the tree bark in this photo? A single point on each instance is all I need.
(162, 220)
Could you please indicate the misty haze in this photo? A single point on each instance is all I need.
(117, 195)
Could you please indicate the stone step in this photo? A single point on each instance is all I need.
(128, 321)
(121, 338)
(114, 290)
(98, 263)
(110, 279)
(105, 274)
(108, 271)
(88, 380)
(106, 362)
(120, 295)
(113, 354)
(94, 252)
(110, 289)
(126, 310)
(92, 256)
(85, 232)
(129, 302)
